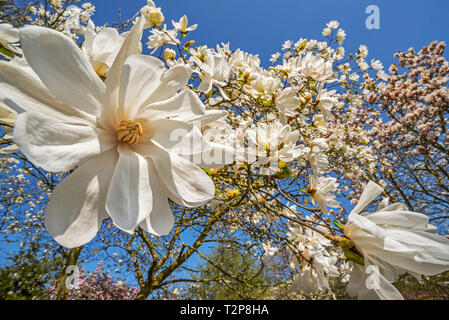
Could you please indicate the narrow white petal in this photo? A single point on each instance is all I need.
(57, 146)
(63, 68)
(22, 90)
(371, 192)
(141, 76)
(172, 81)
(185, 106)
(185, 183)
(129, 200)
(130, 46)
(77, 205)
(161, 220)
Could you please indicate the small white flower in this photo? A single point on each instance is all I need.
(321, 190)
(161, 38)
(182, 27)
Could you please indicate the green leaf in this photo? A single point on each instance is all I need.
(287, 172)
(338, 224)
(351, 255)
(7, 52)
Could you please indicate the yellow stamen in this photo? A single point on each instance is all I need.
(129, 131)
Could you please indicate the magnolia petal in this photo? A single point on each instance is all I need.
(141, 76)
(371, 192)
(205, 85)
(367, 284)
(63, 68)
(161, 220)
(129, 199)
(185, 183)
(9, 149)
(57, 146)
(77, 205)
(187, 141)
(130, 46)
(185, 106)
(400, 219)
(172, 81)
(364, 232)
(418, 251)
(22, 90)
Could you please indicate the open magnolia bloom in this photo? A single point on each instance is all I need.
(321, 190)
(390, 242)
(273, 142)
(317, 263)
(215, 71)
(119, 133)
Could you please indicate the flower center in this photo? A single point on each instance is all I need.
(310, 190)
(129, 131)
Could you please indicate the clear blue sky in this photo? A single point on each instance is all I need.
(261, 26)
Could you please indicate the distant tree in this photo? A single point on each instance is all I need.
(229, 273)
(28, 277)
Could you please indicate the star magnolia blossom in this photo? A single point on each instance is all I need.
(118, 133)
(392, 240)
(215, 71)
(102, 47)
(321, 190)
(325, 101)
(274, 142)
(181, 26)
(316, 68)
(317, 261)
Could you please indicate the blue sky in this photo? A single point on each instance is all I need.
(261, 26)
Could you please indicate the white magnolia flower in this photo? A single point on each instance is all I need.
(274, 142)
(287, 102)
(118, 133)
(313, 276)
(363, 52)
(325, 101)
(315, 155)
(169, 54)
(275, 57)
(321, 190)
(9, 38)
(102, 47)
(153, 15)
(56, 3)
(161, 38)
(391, 241)
(316, 68)
(182, 25)
(215, 71)
(268, 249)
(315, 261)
(326, 32)
(333, 24)
(263, 86)
(341, 36)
